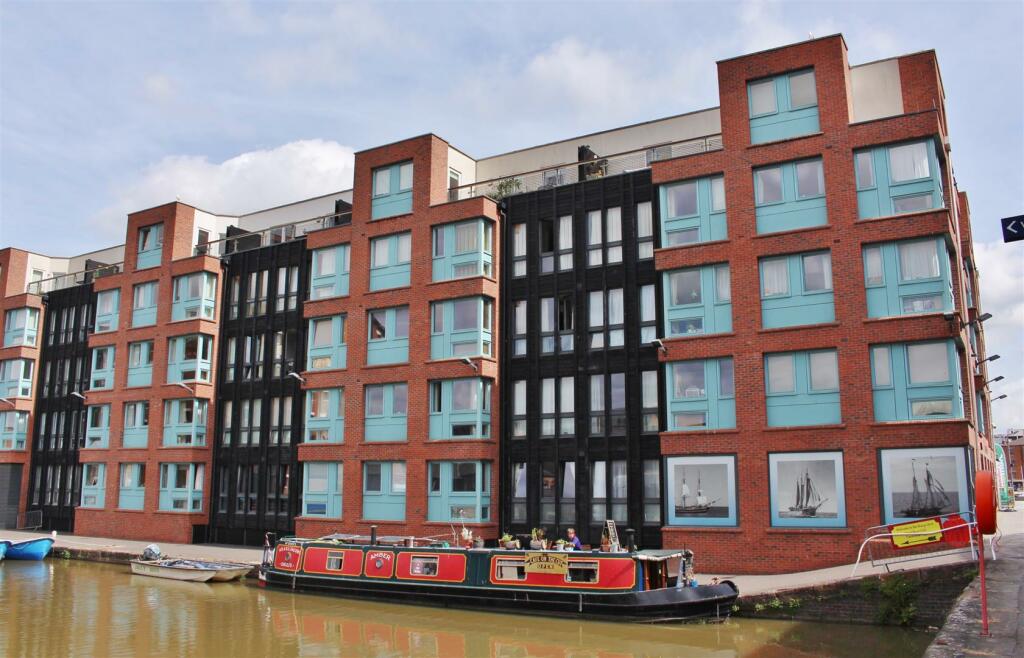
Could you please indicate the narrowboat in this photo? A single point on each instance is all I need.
(625, 586)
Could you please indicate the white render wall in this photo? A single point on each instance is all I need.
(293, 212)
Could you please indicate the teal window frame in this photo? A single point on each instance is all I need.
(445, 503)
(94, 475)
(708, 222)
(135, 435)
(788, 119)
(195, 296)
(131, 493)
(792, 211)
(878, 194)
(21, 326)
(16, 378)
(454, 261)
(711, 314)
(106, 320)
(393, 197)
(14, 429)
(449, 414)
(894, 391)
(716, 401)
(321, 355)
(97, 427)
(185, 422)
(334, 282)
(101, 376)
(185, 497)
(388, 502)
(803, 405)
(798, 306)
(179, 366)
(888, 288)
(323, 501)
(325, 415)
(449, 342)
(145, 301)
(388, 420)
(140, 363)
(149, 250)
(390, 258)
(393, 345)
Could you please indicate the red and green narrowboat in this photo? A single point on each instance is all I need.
(628, 586)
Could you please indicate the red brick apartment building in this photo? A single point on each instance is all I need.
(748, 330)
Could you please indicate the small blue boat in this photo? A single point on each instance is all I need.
(4, 545)
(31, 549)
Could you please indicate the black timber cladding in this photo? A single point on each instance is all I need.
(624, 191)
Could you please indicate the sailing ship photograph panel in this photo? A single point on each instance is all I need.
(807, 489)
(923, 482)
(702, 490)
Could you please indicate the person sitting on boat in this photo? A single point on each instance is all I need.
(573, 540)
(538, 543)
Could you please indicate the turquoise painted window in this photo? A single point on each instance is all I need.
(136, 425)
(790, 196)
(93, 485)
(325, 415)
(13, 430)
(387, 335)
(384, 491)
(392, 191)
(144, 304)
(16, 378)
(460, 409)
(898, 178)
(916, 381)
(693, 211)
(389, 261)
(195, 296)
(385, 412)
(97, 428)
(151, 244)
(181, 487)
(797, 290)
(185, 422)
(701, 395)
(321, 489)
(907, 277)
(188, 358)
(783, 106)
(802, 388)
(102, 375)
(698, 301)
(140, 363)
(463, 249)
(132, 492)
(459, 491)
(21, 326)
(461, 327)
(328, 348)
(107, 303)
(329, 277)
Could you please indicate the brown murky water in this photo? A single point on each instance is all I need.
(69, 608)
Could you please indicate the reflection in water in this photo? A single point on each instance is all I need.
(66, 608)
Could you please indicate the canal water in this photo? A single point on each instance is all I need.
(72, 608)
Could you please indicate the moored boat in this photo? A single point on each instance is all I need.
(4, 545)
(30, 549)
(625, 586)
(190, 570)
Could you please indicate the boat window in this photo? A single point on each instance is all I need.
(335, 560)
(423, 566)
(510, 570)
(582, 572)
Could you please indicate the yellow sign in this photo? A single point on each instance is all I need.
(906, 535)
(547, 562)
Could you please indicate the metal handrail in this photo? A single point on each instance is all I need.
(70, 279)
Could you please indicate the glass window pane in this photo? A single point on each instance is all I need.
(405, 176)
(865, 169)
(648, 310)
(769, 185)
(717, 194)
(682, 199)
(565, 232)
(824, 371)
(594, 227)
(908, 162)
(774, 277)
(405, 247)
(685, 288)
(599, 479)
(465, 312)
(649, 385)
(873, 273)
(618, 391)
(928, 363)
(688, 380)
(381, 252)
(882, 369)
(613, 221)
(644, 220)
(615, 308)
(781, 377)
(912, 203)
(801, 90)
(817, 272)
(919, 260)
(596, 308)
(723, 289)
(726, 383)
(399, 399)
(810, 179)
(762, 97)
(519, 398)
(382, 182)
(597, 392)
(402, 322)
(374, 400)
(398, 477)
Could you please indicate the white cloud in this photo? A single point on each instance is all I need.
(247, 182)
(1001, 273)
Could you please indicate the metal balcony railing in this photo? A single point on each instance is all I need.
(574, 172)
(273, 235)
(71, 279)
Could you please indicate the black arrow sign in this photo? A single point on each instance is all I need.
(1013, 228)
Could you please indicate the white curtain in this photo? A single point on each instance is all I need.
(594, 227)
(613, 219)
(909, 161)
(547, 396)
(615, 309)
(600, 489)
(597, 392)
(775, 277)
(569, 480)
(644, 220)
(520, 481)
(567, 402)
(596, 308)
(519, 240)
(919, 260)
(723, 289)
(780, 373)
(565, 232)
(618, 479)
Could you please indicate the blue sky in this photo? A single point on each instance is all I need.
(107, 108)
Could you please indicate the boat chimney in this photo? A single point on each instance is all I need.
(373, 535)
(630, 546)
